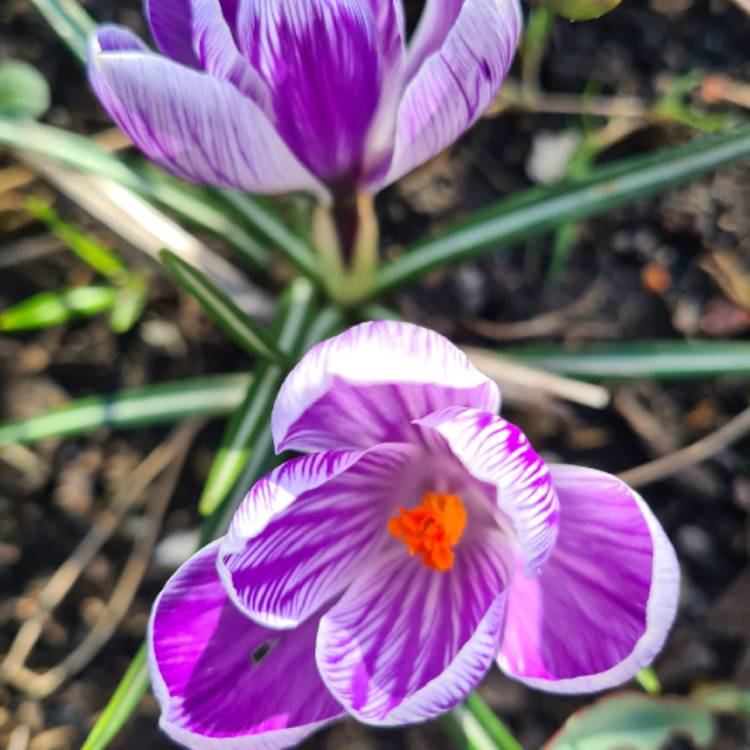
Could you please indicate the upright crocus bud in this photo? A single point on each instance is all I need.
(323, 96)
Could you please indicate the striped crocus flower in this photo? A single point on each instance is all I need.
(323, 96)
(418, 539)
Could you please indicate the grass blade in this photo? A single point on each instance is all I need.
(138, 407)
(260, 214)
(237, 325)
(69, 21)
(54, 308)
(491, 723)
(93, 253)
(538, 211)
(126, 697)
(658, 360)
(250, 420)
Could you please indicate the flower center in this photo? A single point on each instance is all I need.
(431, 529)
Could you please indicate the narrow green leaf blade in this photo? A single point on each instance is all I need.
(69, 21)
(90, 251)
(126, 697)
(24, 92)
(54, 308)
(137, 407)
(187, 201)
(131, 300)
(538, 211)
(489, 721)
(264, 219)
(236, 324)
(660, 360)
(249, 421)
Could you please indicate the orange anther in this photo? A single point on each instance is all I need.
(431, 529)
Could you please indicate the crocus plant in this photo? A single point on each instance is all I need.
(323, 96)
(418, 539)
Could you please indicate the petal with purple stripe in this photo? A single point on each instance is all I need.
(391, 28)
(199, 127)
(222, 680)
(496, 453)
(307, 553)
(171, 27)
(366, 385)
(217, 51)
(603, 605)
(456, 84)
(321, 61)
(406, 642)
(436, 21)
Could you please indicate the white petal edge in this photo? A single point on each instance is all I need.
(660, 612)
(278, 740)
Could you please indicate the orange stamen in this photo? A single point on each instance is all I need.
(431, 529)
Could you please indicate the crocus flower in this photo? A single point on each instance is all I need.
(324, 96)
(417, 540)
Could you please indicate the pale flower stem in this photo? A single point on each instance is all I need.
(480, 727)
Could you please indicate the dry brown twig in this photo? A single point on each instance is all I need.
(703, 449)
(153, 480)
(507, 372)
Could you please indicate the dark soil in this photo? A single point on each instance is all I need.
(50, 496)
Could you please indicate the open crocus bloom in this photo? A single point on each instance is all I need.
(418, 539)
(324, 96)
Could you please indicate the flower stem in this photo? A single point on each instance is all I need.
(491, 724)
(346, 238)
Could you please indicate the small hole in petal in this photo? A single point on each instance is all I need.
(261, 653)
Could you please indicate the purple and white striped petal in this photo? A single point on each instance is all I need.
(391, 26)
(308, 553)
(222, 680)
(366, 385)
(601, 609)
(171, 27)
(455, 84)
(496, 453)
(436, 21)
(405, 642)
(321, 61)
(217, 51)
(199, 127)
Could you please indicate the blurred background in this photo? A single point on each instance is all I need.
(671, 268)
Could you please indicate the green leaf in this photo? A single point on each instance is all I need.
(90, 251)
(131, 300)
(124, 701)
(249, 421)
(661, 360)
(240, 327)
(54, 308)
(69, 21)
(24, 92)
(261, 215)
(192, 204)
(628, 721)
(491, 723)
(724, 699)
(541, 210)
(137, 407)
(68, 148)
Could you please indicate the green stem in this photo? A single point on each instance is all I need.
(491, 724)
